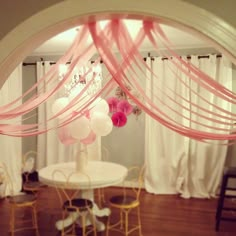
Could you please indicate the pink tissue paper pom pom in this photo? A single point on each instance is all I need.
(119, 119)
(125, 107)
(112, 102)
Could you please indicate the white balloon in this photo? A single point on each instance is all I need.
(58, 105)
(101, 124)
(100, 106)
(80, 128)
(81, 102)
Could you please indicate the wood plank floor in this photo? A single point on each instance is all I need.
(162, 215)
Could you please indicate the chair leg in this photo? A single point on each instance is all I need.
(139, 221)
(121, 219)
(221, 202)
(126, 223)
(217, 224)
(73, 225)
(83, 225)
(108, 225)
(93, 220)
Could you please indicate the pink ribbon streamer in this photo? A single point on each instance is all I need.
(123, 72)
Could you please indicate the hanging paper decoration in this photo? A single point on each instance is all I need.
(124, 107)
(120, 93)
(112, 102)
(136, 110)
(121, 106)
(119, 119)
(127, 69)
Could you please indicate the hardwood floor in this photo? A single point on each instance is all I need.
(163, 215)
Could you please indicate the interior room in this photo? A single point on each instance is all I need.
(99, 101)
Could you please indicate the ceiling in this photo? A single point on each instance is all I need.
(180, 39)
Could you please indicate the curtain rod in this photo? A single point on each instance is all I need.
(35, 63)
(51, 63)
(188, 57)
(145, 58)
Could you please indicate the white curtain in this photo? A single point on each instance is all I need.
(11, 147)
(50, 149)
(177, 164)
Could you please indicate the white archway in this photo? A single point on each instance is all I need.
(17, 44)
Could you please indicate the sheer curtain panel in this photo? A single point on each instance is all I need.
(177, 164)
(50, 149)
(11, 147)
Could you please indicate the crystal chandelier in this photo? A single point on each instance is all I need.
(80, 78)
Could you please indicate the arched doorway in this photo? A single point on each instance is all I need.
(66, 14)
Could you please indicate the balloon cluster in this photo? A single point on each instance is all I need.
(120, 108)
(95, 122)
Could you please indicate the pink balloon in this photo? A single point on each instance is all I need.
(90, 139)
(65, 136)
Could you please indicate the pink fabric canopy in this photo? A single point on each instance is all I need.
(126, 70)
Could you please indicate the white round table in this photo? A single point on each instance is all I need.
(102, 174)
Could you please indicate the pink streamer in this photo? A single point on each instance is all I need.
(123, 73)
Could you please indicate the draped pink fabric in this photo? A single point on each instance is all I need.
(127, 69)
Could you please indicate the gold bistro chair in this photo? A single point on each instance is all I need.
(17, 202)
(69, 192)
(125, 202)
(28, 167)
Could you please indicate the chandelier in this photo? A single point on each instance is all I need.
(80, 78)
